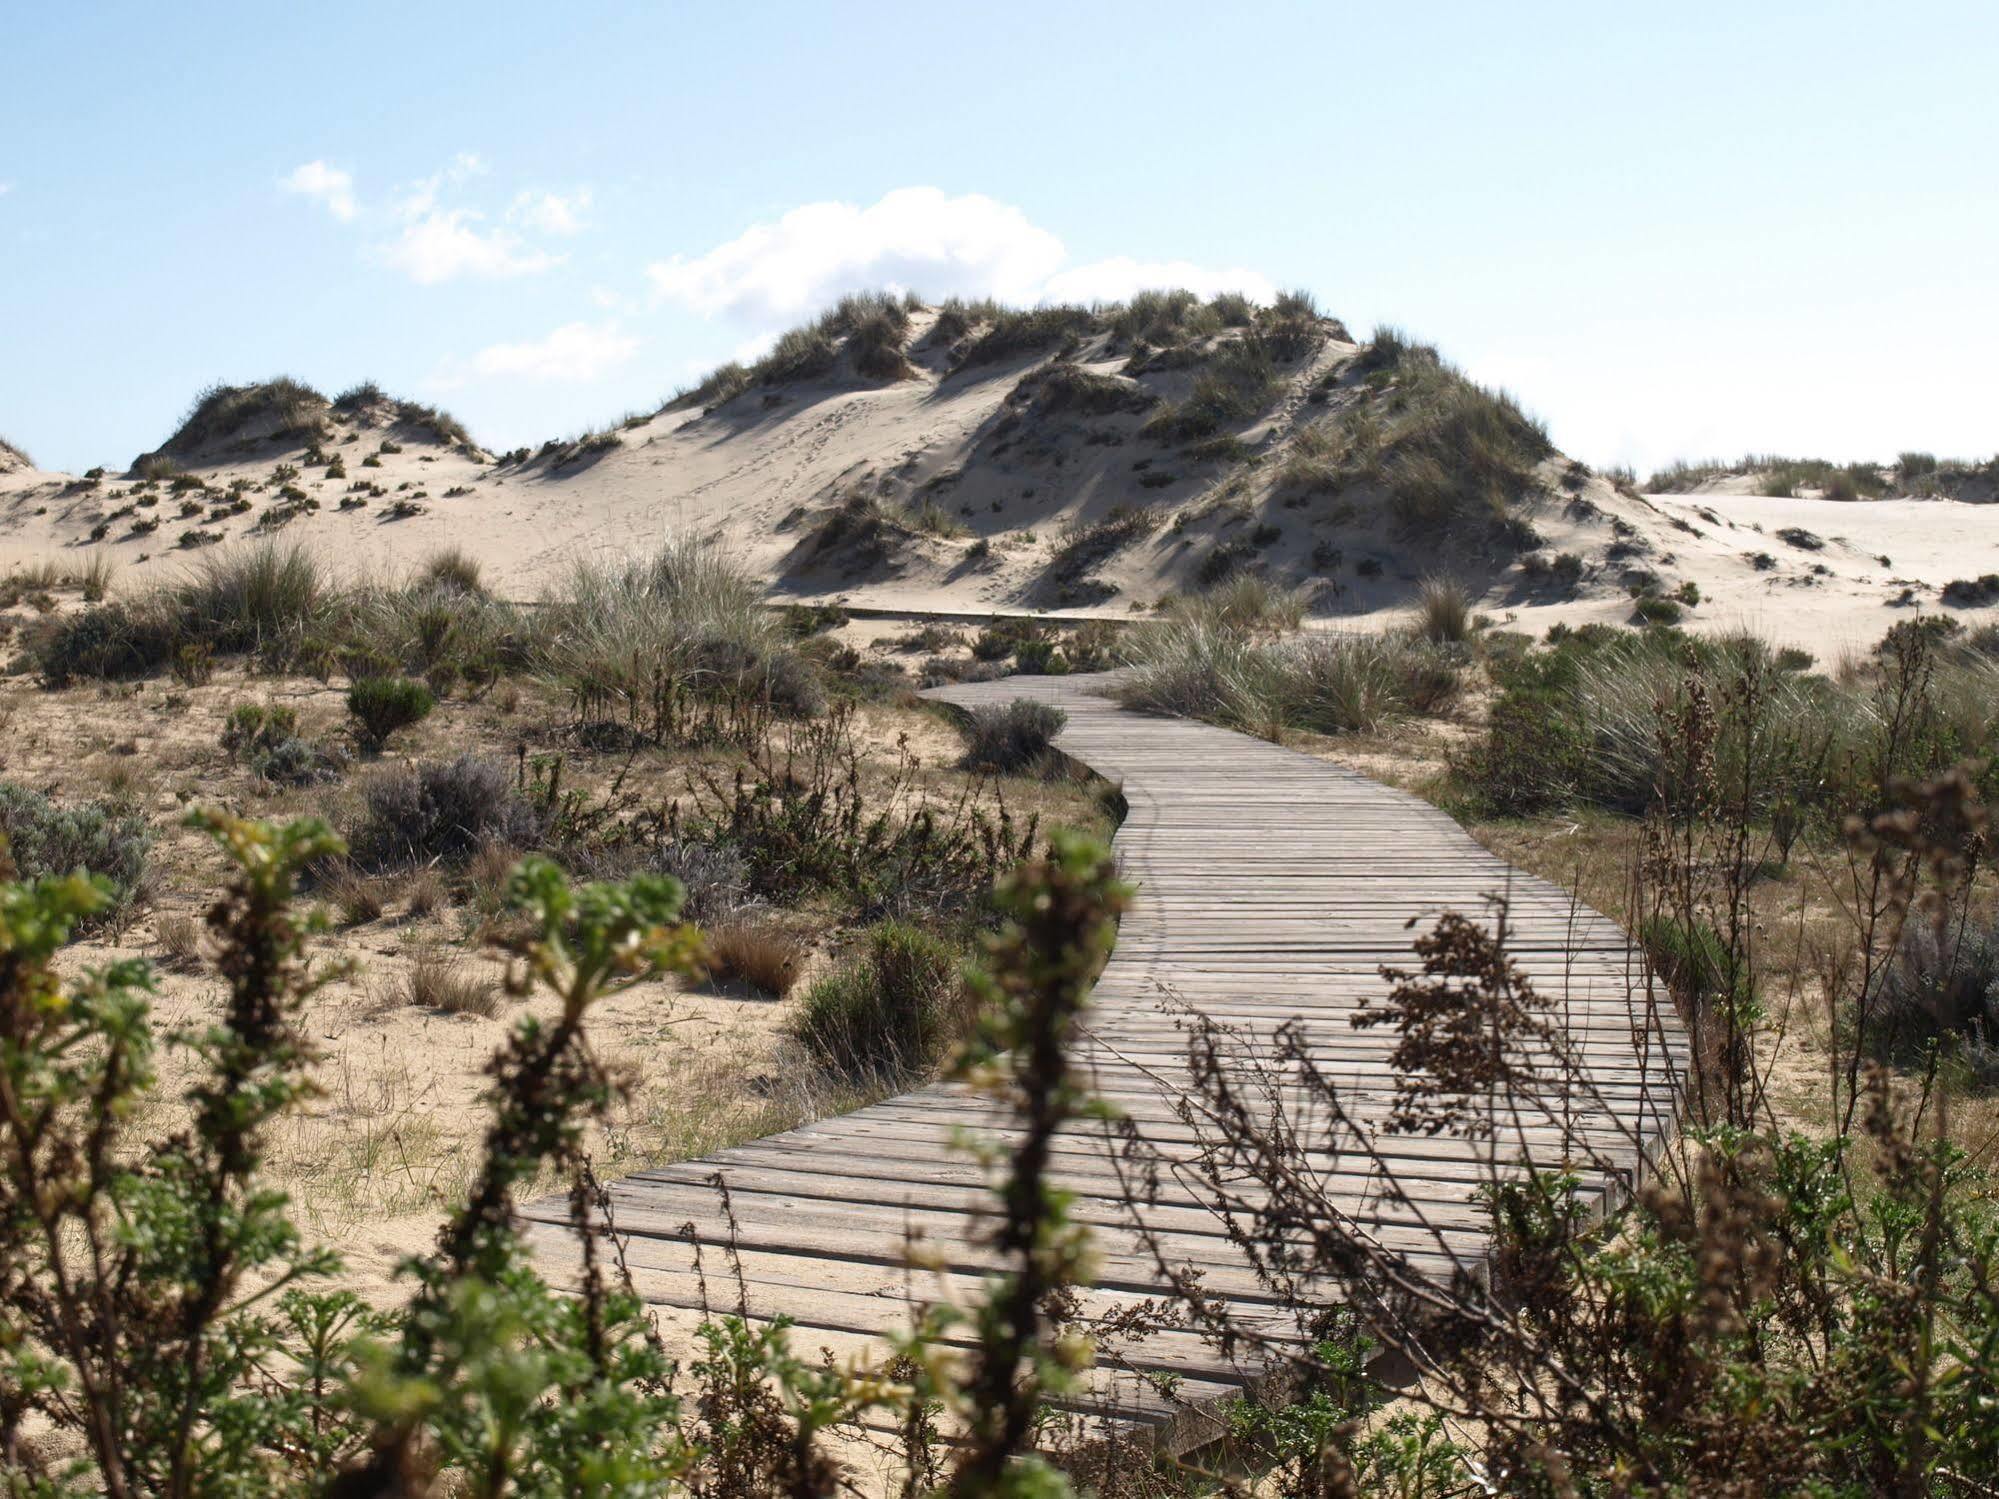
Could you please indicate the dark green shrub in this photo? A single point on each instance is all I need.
(382, 705)
(1040, 656)
(1011, 737)
(1693, 961)
(44, 839)
(890, 1011)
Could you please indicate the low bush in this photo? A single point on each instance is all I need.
(442, 813)
(890, 1011)
(1011, 737)
(266, 739)
(1939, 995)
(45, 839)
(380, 706)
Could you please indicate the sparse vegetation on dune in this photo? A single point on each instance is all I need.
(276, 408)
(232, 423)
(1912, 473)
(1455, 458)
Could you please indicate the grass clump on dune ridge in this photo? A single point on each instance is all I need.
(282, 407)
(1451, 454)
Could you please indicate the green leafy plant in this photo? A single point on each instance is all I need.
(381, 706)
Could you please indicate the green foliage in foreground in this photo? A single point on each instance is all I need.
(163, 1318)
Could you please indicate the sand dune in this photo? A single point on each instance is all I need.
(1084, 472)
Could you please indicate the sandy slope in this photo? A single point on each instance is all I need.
(982, 454)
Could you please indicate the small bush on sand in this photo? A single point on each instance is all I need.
(44, 839)
(380, 706)
(266, 739)
(1011, 737)
(890, 1011)
(442, 813)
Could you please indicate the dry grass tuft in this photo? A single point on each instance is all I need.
(424, 892)
(759, 953)
(179, 937)
(356, 897)
(1443, 611)
(436, 980)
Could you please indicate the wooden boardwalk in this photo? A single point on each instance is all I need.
(1271, 887)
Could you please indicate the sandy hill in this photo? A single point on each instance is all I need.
(977, 457)
(12, 459)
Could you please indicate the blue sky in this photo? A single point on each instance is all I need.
(1670, 229)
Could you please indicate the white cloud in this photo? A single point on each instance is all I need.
(441, 244)
(575, 352)
(552, 213)
(1116, 279)
(325, 185)
(915, 237)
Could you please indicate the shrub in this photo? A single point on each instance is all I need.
(1972, 593)
(442, 812)
(1940, 991)
(1656, 611)
(689, 620)
(100, 838)
(1196, 666)
(382, 705)
(1011, 737)
(267, 740)
(1695, 964)
(111, 640)
(888, 1012)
